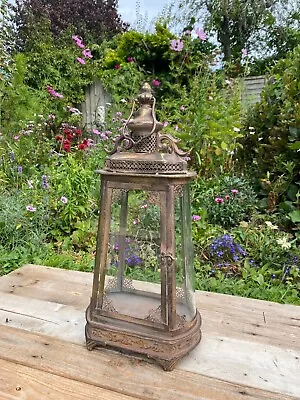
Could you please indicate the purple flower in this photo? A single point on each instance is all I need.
(20, 169)
(130, 59)
(201, 34)
(117, 66)
(12, 156)
(176, 45)
(44, 182)
(155, 82)
(244, 52)
(196, 217)
(63, 199)
(30, 208)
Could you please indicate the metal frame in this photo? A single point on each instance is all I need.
(150, 165)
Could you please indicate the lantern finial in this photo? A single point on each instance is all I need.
(141, 148)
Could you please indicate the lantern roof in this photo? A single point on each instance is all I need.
(142, 148)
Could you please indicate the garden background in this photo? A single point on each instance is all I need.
(245, 199)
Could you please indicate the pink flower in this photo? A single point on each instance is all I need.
(176, 45)
(201, 34)
(244, 52)
(78, 41)
(144, 205)
(196, 217)
(87, 53)
(96, 132)
(187, 32)
(166, 123)
(103, 136)
(156, 82)
(227, 197)
(219, 200)
(53, 93)
(181, 108)
(31, 208)
(80, 60)
(63, 199)
(117, 66)
(234, 191)
(130, 59)
(16, 137)
(135, 221)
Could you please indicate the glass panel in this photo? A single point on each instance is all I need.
(133, 254)
(185, 287)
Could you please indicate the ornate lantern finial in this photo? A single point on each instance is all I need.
(141, 148)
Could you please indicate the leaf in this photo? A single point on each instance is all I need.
(294, 146)
(224, 146)
(295, 216)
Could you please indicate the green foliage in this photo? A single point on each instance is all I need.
(208, 117)
(19, 103)
(273, 136)
(224, 200)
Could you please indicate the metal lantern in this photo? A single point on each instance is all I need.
(144, 235)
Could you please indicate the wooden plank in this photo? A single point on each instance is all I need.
(264, 334)
(20, 382)
(264, 362)
(223, 315)
(111, 371)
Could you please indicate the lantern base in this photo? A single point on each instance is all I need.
(164, 347)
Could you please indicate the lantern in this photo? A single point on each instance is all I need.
(143, 288)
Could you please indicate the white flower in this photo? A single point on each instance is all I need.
(236, 129)
(271, 226)
(227, 81)
(123, 101)
(244, 224)
(251, 128)
(284, 243)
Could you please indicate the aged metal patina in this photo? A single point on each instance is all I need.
(145, 181)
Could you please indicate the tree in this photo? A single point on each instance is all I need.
(91, 19)
(234, 21)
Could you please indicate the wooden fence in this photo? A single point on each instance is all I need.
(252, 87)
(94, 106)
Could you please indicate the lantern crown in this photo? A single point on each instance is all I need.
(142, 148)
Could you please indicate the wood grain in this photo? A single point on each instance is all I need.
(113, 372)
(223, 315)
(246, 342)
(20, 382)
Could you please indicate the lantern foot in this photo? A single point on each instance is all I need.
(91, 344)
(168, 365)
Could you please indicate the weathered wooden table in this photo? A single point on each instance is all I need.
(250, 348)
